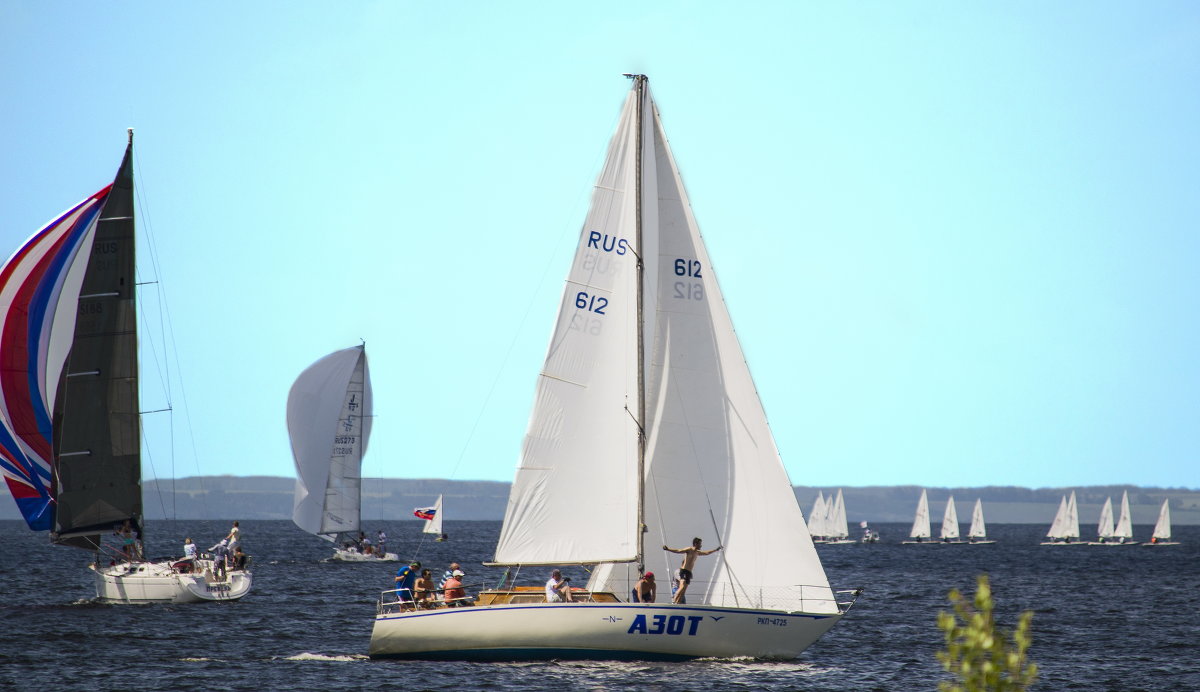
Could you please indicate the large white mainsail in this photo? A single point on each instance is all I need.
(1060, 517)
(950, 521)
(1065, 526)
(329, 421)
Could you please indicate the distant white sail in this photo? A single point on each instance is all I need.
(1104, 529)
(434, 525)
(1124, 528)
(1071, 522)
(978, 527)
(1162, 529)
(816, 518)
(920, 527)
(837, 526)
(950, 521)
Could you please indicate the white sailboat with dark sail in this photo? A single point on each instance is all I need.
(329, 423)
(70, 427)
(647, 421)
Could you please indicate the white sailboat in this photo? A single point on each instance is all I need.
(920, 533)
(977, 534)
(818, 518)
(433, 518)
(645, 415)
(837, 529)
(1064, 530)
(1104, 527)
(949, 532)
(70, 429)
(329, 423)
(1162, 528)
(1123, 532)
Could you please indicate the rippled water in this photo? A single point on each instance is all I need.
(1105, 618)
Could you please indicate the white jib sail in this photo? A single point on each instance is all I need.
(1124, 527)
(978, 526)
(950, 520)
(580, 455)
(920, 527)
(1162, 528)
(1104, 528)
(434, 525)
(329, 421)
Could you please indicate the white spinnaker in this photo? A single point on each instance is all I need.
(950, 520)
(434, 525)
(712, 467)
(1104, 528)
(1124, 528)
(574, 497)
(920, 527)
(978, 526)
(329, 421)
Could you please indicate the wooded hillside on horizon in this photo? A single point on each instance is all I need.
(271, 497)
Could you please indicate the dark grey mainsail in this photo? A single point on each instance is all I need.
(97, 450)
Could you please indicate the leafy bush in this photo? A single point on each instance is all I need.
(981, 656)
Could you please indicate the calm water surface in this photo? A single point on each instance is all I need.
(1105, 618)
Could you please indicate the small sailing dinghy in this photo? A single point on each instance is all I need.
(1104, 527)
(70, 439)
(646, 426)
(977, 534)
(329, 423)
(1064, 530)
(817, 519)
(920, 533)
(433, 519)
(1162, 528)
(1123, 532)
(949, 532)
(837, 529)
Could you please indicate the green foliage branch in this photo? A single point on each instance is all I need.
(981, 656)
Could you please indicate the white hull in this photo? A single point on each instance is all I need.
(355, 556)
(1064, 543)
(1162, 543)
(981, 542)
(1112, 543)
(839, 541)
(605, 631)
(158, 582)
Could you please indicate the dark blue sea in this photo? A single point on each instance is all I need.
(1106, 618)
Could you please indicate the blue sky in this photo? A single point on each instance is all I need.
(958, 241)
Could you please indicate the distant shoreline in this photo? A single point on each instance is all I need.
(271, 497)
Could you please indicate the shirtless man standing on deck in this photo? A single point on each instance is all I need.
(689, 561)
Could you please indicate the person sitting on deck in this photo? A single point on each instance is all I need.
(425, 590)
(558, 588)
(455, 594)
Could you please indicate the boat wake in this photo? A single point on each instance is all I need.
(308, 656)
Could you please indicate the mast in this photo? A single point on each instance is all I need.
(639, 83)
